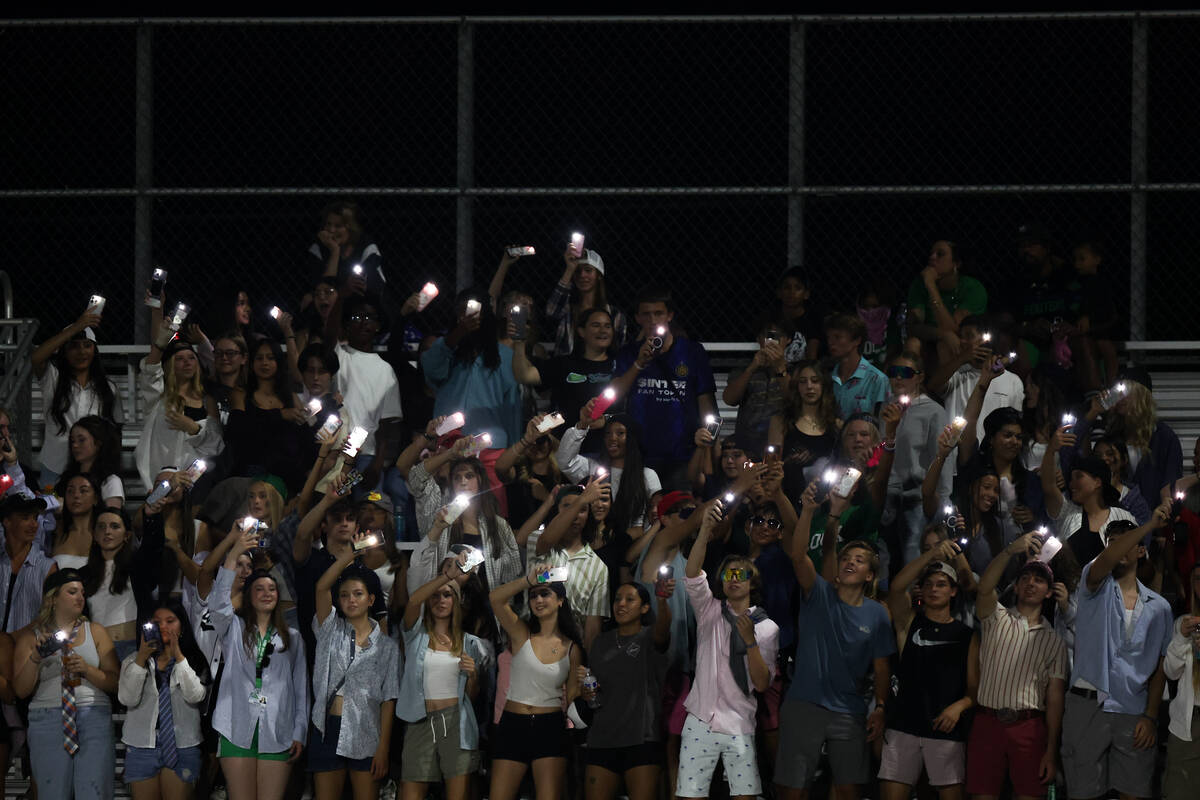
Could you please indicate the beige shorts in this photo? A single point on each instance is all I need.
(431, 749)
(945, 761)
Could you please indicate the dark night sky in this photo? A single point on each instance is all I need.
(591, 105)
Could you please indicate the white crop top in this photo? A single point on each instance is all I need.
(534, 683)
(110, 609)
(441, 675)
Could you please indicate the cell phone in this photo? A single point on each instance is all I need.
(96, 304)
(372, 539)
(478, 443)
(1050, 548)
(474, 307)
(986, 338)
(577, 245)
(1110, 397)
(554, 575)
(518, 315)
(331, 425)
(357, 270)
(845, 483)
(1068, 422)
(517, 252)
(606, 399)
(457, 506)
(275, 312)
(197, 468)
(6, 483)
(712, 424)
(659, 337)
(180, 314)
(774, 335)
(161, 490)
(426, 296)
(772, 454)
(550, 422)
(353, 478)
(53, 644)
(665, 573)
(354, 441)
(151, 635)
(958, 425)
(473, 556)
(904, 401)
(313, 407)
(248, 524)
(451, 423)
(158, 279)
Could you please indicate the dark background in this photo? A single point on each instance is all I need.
(607, 105)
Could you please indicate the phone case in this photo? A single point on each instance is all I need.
(426, 296)
(519, 317)
(846, 482)
(551, 422)
(554, 575)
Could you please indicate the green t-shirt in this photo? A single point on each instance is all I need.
(969, 294)
(858, 522)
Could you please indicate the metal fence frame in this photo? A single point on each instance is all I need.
(143, 191)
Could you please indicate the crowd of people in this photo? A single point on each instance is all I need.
(946, 546)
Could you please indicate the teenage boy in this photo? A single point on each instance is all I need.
(845, 636)
(1022, 679)
(1122, 630)
(668, 385)
(736, 644)
(938, 675)
(366, 382)
(956, 379)
(858, 386)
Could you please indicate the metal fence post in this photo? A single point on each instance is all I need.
(795, 226)
(1138, 177)
(464, 274)
(143, 177)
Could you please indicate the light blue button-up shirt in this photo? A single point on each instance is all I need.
(1118, 660)
(866, 388)
(284, 717)
(411, 705)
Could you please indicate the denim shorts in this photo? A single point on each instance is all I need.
(144, 763)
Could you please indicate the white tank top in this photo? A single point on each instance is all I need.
(534, 683)
(49, 686)
(441, 675)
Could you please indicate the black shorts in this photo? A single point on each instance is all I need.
(527, 737)
(620, 759)
(322, 750)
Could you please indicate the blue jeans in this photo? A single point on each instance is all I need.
(86, 775)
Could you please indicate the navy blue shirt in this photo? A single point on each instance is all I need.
(664, 398)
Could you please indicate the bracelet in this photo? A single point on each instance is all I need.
(528, 581)
(888, 446)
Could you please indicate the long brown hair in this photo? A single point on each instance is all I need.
(487, 509)
(456, 619)
(827, 408)
(246, 612)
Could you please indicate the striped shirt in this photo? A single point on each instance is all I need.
(587, 584)
(1017, 661)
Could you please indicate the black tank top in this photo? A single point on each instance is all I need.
(801, 450)
(932, 675)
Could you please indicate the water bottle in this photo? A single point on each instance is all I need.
(590, 684)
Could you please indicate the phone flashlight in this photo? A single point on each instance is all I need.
(357, 270)
(275, 312)
(1068, 420)
(355, 440)
(601, 472)
(451, 423)
(987, 338)
(428, 292)
(606, 399)
(577, 245)
(904, 401)
(314, 407)
(473, 307)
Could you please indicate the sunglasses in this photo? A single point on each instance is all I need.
(897, 371)
(770, 522)
(735, 574)
(227, 353)
(541, 593)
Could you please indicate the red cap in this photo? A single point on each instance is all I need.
(672, 499)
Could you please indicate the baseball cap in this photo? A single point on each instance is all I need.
(19, 503)
(942, 567)
(1094, 465)
(672, 499)
(380, 500)
(1040, 567)
(593, 259)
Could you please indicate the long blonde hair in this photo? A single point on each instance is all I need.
(274, 502)
(1136, 425)
(456, 628)
(172, 398)
(45, 615)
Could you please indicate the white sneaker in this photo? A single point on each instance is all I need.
(388, 791)
(219, 793)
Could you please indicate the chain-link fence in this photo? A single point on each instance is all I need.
(706, 154)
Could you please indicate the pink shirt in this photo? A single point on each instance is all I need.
(715, 698)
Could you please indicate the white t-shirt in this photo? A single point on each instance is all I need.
(369, 390)
(84, 401)
(1005, 391)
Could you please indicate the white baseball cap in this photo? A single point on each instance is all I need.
(593, 259)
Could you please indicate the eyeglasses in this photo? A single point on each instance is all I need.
(897, 371)
(735, 574)
(770, 522)
(227, 353)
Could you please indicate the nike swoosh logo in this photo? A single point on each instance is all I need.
(921, 641)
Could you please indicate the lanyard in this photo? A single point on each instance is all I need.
(260, 650)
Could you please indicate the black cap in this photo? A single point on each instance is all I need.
(61, 578)
(20, 504)
(1096, 467)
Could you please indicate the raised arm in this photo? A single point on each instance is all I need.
(51, 346)
(512, 624)
(410, 455)
(899, 602)
(711, 518)
(506, 464)
(214, 559)
(802, 565)
(416, 601)
(986, 600)
(574, 466)
(929, 486)
(1048, 473)
(890, 414)
(662, 617)
(324, 588)
(1122, 545)
(524, 372)
(496, 287)
(557, 528)
(968, 443)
